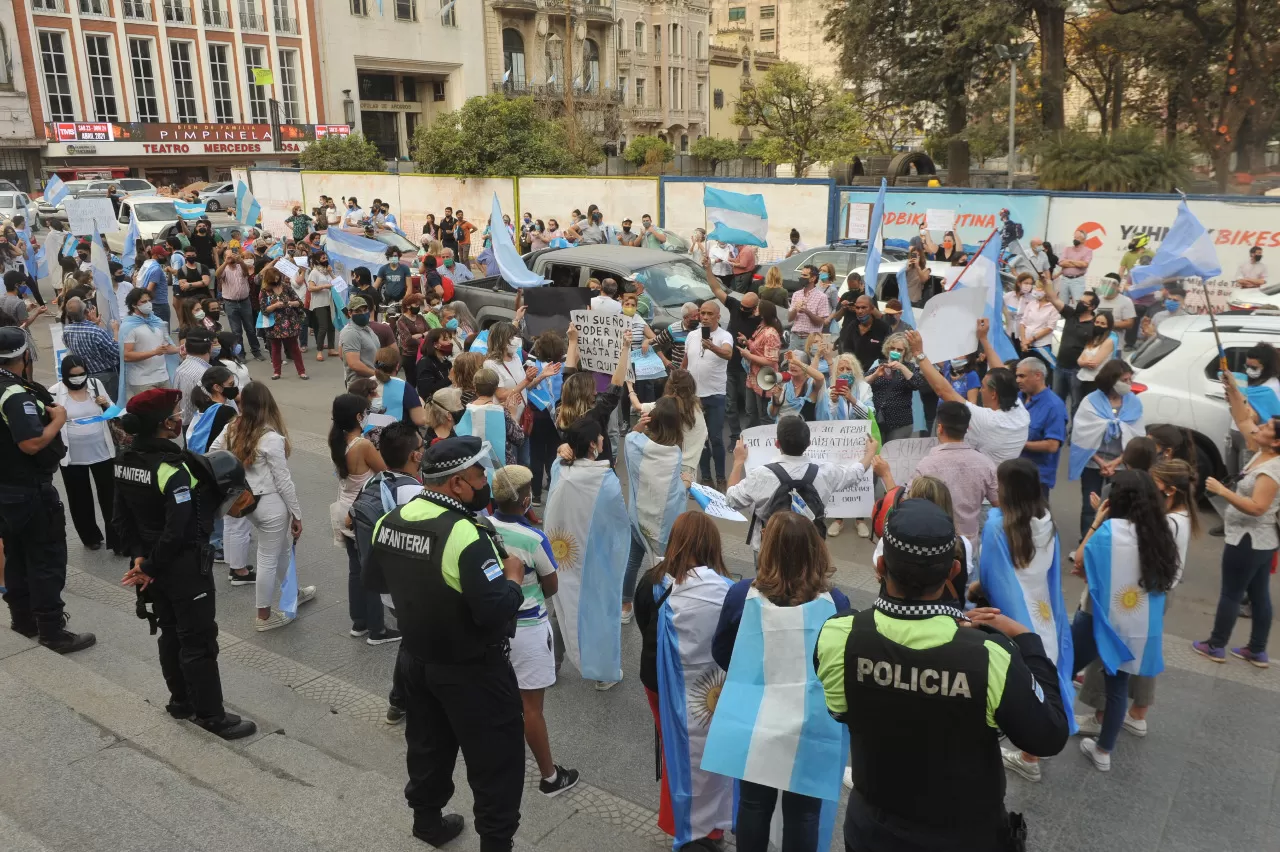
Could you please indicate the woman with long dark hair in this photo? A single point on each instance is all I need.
(658, 490)
(549, 349)
(1106, 421)
(1130, 561)
(681, 388)
(90, 453)
(760, 351)
(1100, 348)
(677, 607)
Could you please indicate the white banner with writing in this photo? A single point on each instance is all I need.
(835, 441)
(599, 340)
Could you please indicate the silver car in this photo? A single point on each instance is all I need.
(219, 196)
(19, 204)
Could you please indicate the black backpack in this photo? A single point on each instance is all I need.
(1017, 230)
(781, 499)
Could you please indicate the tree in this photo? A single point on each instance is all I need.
(497, 135)
(714, 150)
(650, 152)
(1105, 54)
(798, 118)
(334, 153)
(1131, 159)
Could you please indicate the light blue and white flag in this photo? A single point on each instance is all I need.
(348, 252)
(201, 427)
(100, 260)
(586, 522)
(481, 343)
(190, 210)
(276, 251)
(984, 271)
(340, 299)
(248, 210)
(69, 245)
(41, 271)
(289, 587)
(1185, 252)
(511, 266)
(545, 395)
(1031, 596)
(736, 218)
(689, 685)
(904, 296)
(1128, 621)
(1262, 398)
(129, 256)
(871, 270)
(55, 191)
(658, 495)
(1095, 422)
(488, 423)
(771, 724)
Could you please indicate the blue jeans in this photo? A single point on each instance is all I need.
(240, 320)
(800, 817)
(713, 409)
(1117, 685)
(1244, 570)
(1091, 482)
(1065, 386)
(364, 607)
(634, 558)
(160, 309)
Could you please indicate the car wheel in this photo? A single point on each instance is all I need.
(213, 206)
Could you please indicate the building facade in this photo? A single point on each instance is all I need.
(19, 142)
(731, 67)
(390, 66)
(793, 31)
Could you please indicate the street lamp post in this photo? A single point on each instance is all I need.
(1013, 53)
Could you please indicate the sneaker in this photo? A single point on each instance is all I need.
(394, 715)
(1246, 610)
(306, 594)
(1204, 649)
(358, 630)
(258, 356)
(1101, 760)
(1088, 724)
(1137, 727)
(276, 619)
(606, 685)
(1258, 659)
(835, 528)
(1016, 763)
(565, 779)
(219, 556)
(446, 828)
(628, 615)
(383, 638)
(1219, 531)
(848, 777)
(243, 579)
(229, 727)
(862, 529)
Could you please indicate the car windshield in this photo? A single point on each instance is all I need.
(675, 243)
(160, 211)
(675, 282)
(1153, 350)
(8, 200)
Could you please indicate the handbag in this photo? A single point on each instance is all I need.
(243, 505)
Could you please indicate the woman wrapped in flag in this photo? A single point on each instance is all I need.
(1105, 422)
(678, 605)
(1130, 561)
(659, 489)
(1019, 574)
(771, 728)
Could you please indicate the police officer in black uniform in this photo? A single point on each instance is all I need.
(456, 598)
(925, 692)
(166, 503)
(32, 521)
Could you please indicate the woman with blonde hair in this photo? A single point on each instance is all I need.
(893, 380)
(777, 615)
(396, 397)
(678, 605)
(463, 373)
(693, 426)
(774, 290)
(259, 439)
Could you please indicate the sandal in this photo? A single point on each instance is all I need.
(275, 376)
(304, 376)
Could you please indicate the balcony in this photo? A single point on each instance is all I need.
(95, 8)
(519, 7)
(599, 11)
(519, 88)
(646, 115)
(176, 12)
(286, 25)
(59, 6)
(137, 10)
(216, 16)
(252, 22)
(624, 57)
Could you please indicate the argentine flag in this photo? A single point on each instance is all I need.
(545, 395)
(1095, 422)
(657, 494)
(586, 523)
(55, 191)
(689, 689)
(190, 209)
(201, 426)
(984, 271)
(771, 724)
(127, 325)
(1031, 596)
(129, 257)
(1128, 621)
(348, 252)
(735, 218)
(486, 422)
(503, 249)
(101, 263)
(871, 270)
(1186, 252)
(904, 296)
(248, 210)
(1262, 398)
(276, 251)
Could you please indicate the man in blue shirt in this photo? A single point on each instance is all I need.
(392, 278)
(155, 279)
(1048, 430)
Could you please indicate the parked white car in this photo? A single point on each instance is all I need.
(1255, 298)
(1176, 373)
(19, 204)
(155, 213)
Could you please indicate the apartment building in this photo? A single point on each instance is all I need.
(792, 30)
(732, 66)
(19, 142)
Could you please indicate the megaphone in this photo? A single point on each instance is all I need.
(767, 378)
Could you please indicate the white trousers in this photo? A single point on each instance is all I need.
(236, 533)
(271, 520)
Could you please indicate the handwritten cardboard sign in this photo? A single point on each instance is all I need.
(834, 441)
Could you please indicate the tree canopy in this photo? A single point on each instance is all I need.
(335, 153)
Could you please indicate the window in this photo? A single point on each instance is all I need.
(448, 13)
(640, 92)
(554, 58)
(176, 12)
(53, 60)
(282, 11)
(103, 83)
(144, 79)
(657, 74)
(657, 39)
(513, 58)
(717, 99)
(94, 7)
(767, 12)
(622, 88)
(406, 10)
(6, 62)
(699, 102)
(746, 68)
(290, 103)
(184, 85)
(622, 42)
(737, 13)
(437, 90)
(766, 35)
(220, 77)
(377, 87)
(591, 65)
(675, 40)
(253, 58)
(409, 89)
(360, 7)
(677, 87)
(639, 37)
(702, 45)
(684, 143)
(215, 15)
(250, 17)
(47, 5)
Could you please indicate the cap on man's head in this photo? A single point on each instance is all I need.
(509, 480)
(450, 399)
(356, 303)
(13, 342)
(159, 252)
(919, 532)
(893, 306)
(154, 401)
(453, 455)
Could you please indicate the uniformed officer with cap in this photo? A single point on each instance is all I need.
(925, 692)
(165, 505)
(32, 521)
(456, 594)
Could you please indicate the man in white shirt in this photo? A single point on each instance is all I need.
(706, 356)
(751, 493)
(1039, 257)
(998, 427)
(607, 302)
(1253, 273)
(353, 216)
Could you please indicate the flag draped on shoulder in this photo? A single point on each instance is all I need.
(586, 523)
(486, 422)
(1095, 422)
(1262, 398)
(736, 218)
(201, 426)
(1186, 252)
(657, 493)
(545, 395)
(689, 689)
(1128, 621)
(1031, 596)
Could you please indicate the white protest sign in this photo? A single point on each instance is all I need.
(648, 366)
(302, 261)
(904, 454)
(599, 339)
(286, 268)
(714, 503)
(858, 221)
(948, 323)
(940, 220)
(836, 441)
(950, 274)
(85, 214)
(340, 286)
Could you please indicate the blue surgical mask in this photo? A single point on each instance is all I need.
(1172, 305)
(453, 323)
(824, 276)
(864, 319)
(237, 349)
(895, 355)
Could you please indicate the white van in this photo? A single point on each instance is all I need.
(154, 214)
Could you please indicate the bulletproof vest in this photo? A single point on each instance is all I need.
(921, 748)
(140, 479)
(413, 552)
(16, 467)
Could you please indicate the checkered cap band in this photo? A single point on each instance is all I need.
(917, 610)
(918, 549)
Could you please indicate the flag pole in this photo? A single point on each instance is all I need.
(972, 258)
(1208, 307)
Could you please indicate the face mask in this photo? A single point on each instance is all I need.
(958, 364)
(1253, 372)
(864, 319)
(647, 224)
(237, 349)
(445, 348)
(479, 499)
(1025, 289)
(691, 323)
(629, 311)
(848, 377)
(514, 346)
(191, 261)
(448, 263)
(1256, 257)
(1172, 305)
(453, 323)
(1037, 294)
(895, 355)
(1099, 331)
(231, 392)
(76, 381)
(824, 276)
(1122, 388)
(626, 229)
(1075, 242)
(1083, 308)
(360, 319)
(197, 315)
(145, 309)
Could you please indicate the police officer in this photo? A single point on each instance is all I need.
(456, 598)
(925, 692)
(32, 521)
(165, 506)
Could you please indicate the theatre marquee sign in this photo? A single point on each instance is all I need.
(110, 139)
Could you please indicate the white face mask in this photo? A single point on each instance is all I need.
(1253, 372)
(145, 309)
(1122, 388)
(76, 381)
(198, 315)
(514, 346)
